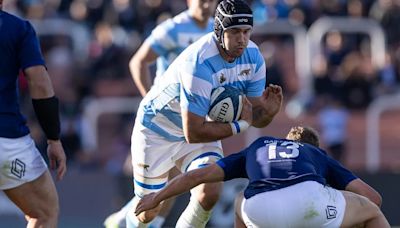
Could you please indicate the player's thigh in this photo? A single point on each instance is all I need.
(358, 209)
(36, 198)
(207, 194)
(153, 155)
(199, 155)
(152, 160)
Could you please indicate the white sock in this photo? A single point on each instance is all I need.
(157, 222)
(193, 216)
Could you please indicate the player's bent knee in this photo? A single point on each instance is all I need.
(44, 215)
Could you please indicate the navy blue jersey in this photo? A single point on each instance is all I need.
(273, 163)
(19, 49)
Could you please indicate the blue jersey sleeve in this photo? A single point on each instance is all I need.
(29, 50)
(234, 165)
(337, 176)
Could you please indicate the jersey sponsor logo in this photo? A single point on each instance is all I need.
(331, 212)
(245, 72)
(18, 168)
(144, 166)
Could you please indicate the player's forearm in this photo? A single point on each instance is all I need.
(261, 117)
(177, 186)
(208, 132)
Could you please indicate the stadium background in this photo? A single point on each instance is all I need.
(315, 49)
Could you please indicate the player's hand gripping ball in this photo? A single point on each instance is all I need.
(226, 104)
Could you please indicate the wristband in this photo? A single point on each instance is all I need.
(239, 126)
(47, 113)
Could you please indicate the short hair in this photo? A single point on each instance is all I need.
(231, 14)
(304, 135)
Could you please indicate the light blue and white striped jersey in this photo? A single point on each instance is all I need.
(172, 36)
(188, 82)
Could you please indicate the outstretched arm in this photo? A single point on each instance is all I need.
(266, 106)
(180, 184)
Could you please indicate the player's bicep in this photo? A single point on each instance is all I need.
(213, 173)
(207, 174)
(38, 82)
(191, 122)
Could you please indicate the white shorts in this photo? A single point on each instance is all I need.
(153, 156)
(307, 204)
(20, 162)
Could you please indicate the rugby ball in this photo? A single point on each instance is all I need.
(225, 104)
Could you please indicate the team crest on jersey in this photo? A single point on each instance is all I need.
(222, 78)
(245, 72)
(144, 166)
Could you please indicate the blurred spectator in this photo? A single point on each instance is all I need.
(108, 71)
(387, 80)
(358, 75)
(390, 23)
(333, 119)
(324, 84)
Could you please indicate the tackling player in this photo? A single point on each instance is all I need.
(292, 183)
(24, 176)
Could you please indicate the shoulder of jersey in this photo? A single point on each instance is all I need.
(181, 18)
(12, 16)
(205, 46)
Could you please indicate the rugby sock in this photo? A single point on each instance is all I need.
(193, 216)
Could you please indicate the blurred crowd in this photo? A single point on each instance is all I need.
(344, 76)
